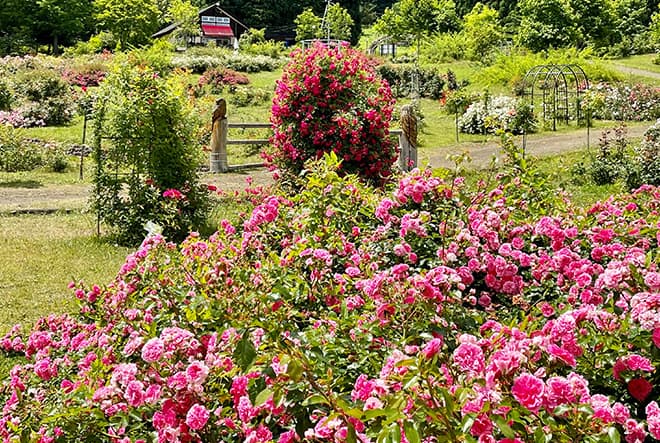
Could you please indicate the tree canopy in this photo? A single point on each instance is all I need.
(132, 22)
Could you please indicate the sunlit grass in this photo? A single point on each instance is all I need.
(642, 61)
(41, 254)
(69, 134)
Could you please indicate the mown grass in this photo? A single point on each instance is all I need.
(68, 134)
(642, 61)
(41, 254)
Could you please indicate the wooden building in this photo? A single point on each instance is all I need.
(215, 25)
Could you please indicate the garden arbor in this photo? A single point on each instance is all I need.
(558, 89)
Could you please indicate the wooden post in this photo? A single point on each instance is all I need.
(408, 138)
(404, 152)
(407, 153)
(218, 160)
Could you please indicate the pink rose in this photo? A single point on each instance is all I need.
(153, 350)
(470, 358)
(529, 391)
(135, 393)
(432, 348)
(656, 337)
(653, 419)
(197, 417)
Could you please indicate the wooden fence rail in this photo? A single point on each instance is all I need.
(219, 161)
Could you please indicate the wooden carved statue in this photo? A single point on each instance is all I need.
(409, 124)
(220, 111)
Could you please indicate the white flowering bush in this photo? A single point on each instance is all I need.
(499, 112)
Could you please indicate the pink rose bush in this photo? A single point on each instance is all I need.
(426, 311)
(330, 99)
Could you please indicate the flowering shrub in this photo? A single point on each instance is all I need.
(150, 131)
(330, 99)
(624, 102)
(84, 78)
(199, 60)
(247, 96)
(645, 160)
(503, 112)
(342, 314)
(217, 79)
(17, 153)
(43, 97)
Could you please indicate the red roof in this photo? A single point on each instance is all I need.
(217, 30)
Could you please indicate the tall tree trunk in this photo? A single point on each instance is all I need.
(56, 46)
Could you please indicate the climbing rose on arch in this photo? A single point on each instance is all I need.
(330, 99)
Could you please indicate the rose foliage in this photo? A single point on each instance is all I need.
(330, 99)
(431, 311)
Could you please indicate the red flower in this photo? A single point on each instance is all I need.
(639, 388)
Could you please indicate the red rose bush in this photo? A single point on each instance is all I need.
(430, 311)
(330, 99)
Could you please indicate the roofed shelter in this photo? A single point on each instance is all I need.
(215, 24)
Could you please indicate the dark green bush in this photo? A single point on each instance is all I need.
(402, 77)
(16, 153)
(6, 95)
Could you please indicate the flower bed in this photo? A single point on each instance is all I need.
(429, 312)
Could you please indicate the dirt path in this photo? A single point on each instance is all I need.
(31, 197)
(635, 71)
(537, 146)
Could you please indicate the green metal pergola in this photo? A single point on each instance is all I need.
(558, 89)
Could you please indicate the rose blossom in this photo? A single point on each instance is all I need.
(432, 348)
(529, 391)
(197, 417)
(653, 419)
(153, 350)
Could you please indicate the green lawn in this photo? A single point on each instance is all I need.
(41, 254)
(643, 61)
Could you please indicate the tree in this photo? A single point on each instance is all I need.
(482, 31)
(595, 22)
(185, 14)
(308, 25)
(131, 21)
(62, 20)
(546, 24)
(655, 28)
(338, 22)
(418, 19)
(15, 26)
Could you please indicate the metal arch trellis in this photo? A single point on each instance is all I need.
(560, 87)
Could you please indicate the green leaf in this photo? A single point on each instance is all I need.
(468, 421)
(294, 370)
(263, 397)
(315, 400)
(245, 353)
(613, 434)
(504, 427)
(395, 433)
(411, 432)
